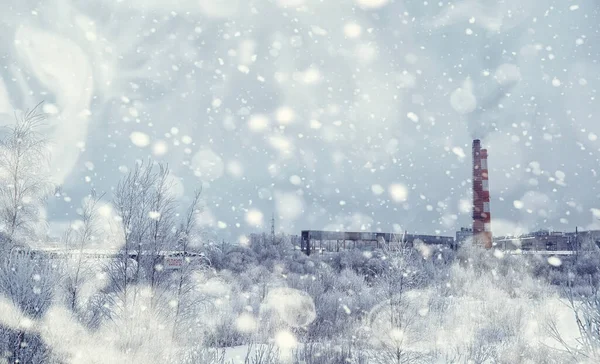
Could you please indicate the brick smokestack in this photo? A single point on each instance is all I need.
(482, 232)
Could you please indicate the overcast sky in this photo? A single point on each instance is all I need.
(331, 114)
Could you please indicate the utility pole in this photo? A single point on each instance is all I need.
(576, 243)
(273, 228)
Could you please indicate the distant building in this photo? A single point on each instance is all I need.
(541, 240)
(463, 235)
(579, 237)
(335, 241)
(544, 240)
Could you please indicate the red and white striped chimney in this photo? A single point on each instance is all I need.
(482, 228)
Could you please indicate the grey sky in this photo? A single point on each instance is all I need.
(314, 109)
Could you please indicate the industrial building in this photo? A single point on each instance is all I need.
(170, 259)
(463, 235)
(334, 241)
(538, 240)
(544, 240)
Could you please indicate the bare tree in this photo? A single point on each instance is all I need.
(28, 282)
(78, 237)
(586, 312)
(132, 202)
(161, 231)
(184, 240)
(24, 177)
(396, 317)
(147, 210)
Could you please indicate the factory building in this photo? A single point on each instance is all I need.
(334, 241)
(544, 240)
(463, 235)
(536, 241)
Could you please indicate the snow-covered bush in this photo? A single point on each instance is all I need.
(27, 287)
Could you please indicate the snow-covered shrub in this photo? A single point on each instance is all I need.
(238, 259)
(325, 353)
(27, 287)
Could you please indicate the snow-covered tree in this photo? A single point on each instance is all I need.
(27, 285)
(24, 174)
(82, 234)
